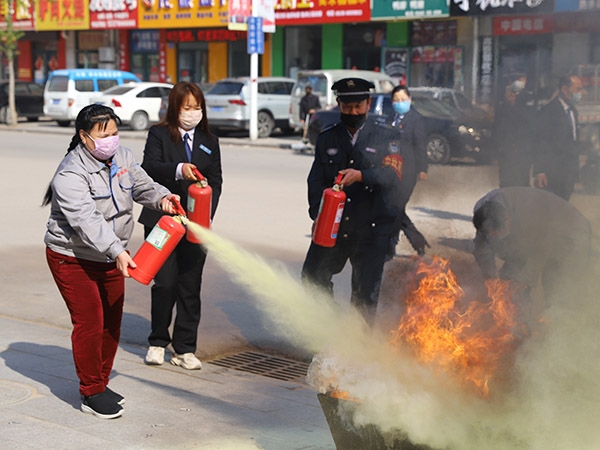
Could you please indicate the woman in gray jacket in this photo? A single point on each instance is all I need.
(91, 197)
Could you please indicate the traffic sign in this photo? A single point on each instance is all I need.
(256, 37)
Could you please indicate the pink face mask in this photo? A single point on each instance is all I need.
(105, 147)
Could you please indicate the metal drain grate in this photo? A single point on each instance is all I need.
(265, 365)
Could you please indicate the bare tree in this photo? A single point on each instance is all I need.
(8, 46)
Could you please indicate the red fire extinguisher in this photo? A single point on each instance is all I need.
(157, 247)
(199, 205)
(330, 214)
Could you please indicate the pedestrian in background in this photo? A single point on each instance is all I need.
(180, 143)
(358, 149)
(91, 221)
(556, 152)
(309, 103)
(512, 136)
(413, 146)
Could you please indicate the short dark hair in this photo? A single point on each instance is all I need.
(401, 88)
(491, 216)
(565, 81)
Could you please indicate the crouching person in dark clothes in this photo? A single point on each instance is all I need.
(536, 234)
(359, 149)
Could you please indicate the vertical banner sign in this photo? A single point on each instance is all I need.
(486, 70)
(256, 37)
(266, 10)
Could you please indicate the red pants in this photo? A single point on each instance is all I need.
(94, 294)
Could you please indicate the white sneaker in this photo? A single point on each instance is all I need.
(155, 356)
(187, 361)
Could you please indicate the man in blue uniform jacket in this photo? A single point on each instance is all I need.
(366, 154)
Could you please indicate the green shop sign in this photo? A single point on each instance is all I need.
(393, 9)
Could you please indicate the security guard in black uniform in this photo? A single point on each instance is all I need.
(365, 154)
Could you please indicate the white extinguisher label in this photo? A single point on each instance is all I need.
(191, 204)
(158, 237)
(338, 218)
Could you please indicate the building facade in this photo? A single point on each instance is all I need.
(471, 45)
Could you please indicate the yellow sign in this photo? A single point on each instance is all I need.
(157, 14)
(62, 15)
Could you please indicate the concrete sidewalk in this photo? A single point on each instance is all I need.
(166, 407)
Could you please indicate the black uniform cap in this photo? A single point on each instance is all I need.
(352, 89)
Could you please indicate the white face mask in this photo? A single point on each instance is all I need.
(518, 86)
(189, 119)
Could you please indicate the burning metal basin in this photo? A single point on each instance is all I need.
(349, 436)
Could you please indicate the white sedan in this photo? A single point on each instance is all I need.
(137, 104)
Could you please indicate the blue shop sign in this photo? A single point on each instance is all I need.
(577, 5)
(144, 41)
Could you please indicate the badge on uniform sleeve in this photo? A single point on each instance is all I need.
(394, 147)
(396, 162)
(332, 151)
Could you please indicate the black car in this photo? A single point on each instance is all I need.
(450, 133)
(29, 100)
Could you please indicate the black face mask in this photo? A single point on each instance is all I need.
(353, 120)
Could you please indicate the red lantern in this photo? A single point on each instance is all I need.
(330, 215)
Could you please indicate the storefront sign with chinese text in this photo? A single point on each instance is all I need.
(22, 17)
(300, 12)
(523, 25)
(160, 14)
(62, 15)
(492, 7)
(113, 15)
(391, 9)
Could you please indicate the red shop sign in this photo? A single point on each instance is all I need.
(513, 25)
(205, 35)
(299, 12)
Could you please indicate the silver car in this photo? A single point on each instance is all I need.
(228, 108)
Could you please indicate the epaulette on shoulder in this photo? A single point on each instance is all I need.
(329, 127)
(382, 124)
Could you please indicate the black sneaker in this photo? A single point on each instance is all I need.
(101, 405)
(116, 397)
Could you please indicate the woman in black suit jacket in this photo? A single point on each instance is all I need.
(174, 147)
(413, 148)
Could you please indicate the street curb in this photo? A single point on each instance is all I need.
(51, 128)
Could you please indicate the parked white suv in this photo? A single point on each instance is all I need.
(228, 108)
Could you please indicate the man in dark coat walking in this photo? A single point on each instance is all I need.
(556, 153)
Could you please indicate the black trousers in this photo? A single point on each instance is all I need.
(414, 236)
(177, 284)
(367, 259)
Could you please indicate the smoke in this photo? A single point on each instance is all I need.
(551, 403)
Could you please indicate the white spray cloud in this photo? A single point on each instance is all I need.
(553, 402)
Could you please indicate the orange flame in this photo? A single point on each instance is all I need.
(470, 342)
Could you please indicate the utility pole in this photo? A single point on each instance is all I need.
(255, 46)
(8, 46)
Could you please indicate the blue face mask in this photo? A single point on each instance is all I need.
(577, 97)
(401, 107)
